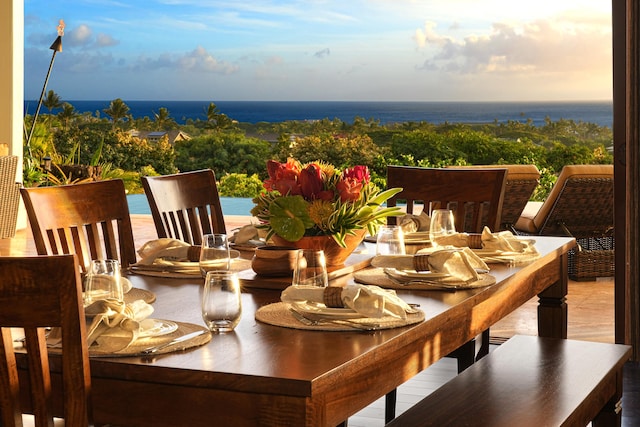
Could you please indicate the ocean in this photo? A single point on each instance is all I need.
(598, 112)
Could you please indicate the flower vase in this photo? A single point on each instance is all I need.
(335, 254)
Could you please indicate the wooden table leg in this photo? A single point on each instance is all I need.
(552, 307)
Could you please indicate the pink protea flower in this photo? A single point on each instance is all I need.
(358, 173)
(349, 189)
(311, 182)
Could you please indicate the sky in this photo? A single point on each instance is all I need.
(321, 50)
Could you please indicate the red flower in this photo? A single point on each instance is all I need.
(311, 183)
(358, 173)
(283, 177)
(349, 189)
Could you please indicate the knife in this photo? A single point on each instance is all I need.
(177, 340)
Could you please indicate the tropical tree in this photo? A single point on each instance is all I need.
(67, 114)
(163, 121)
(52, 101)
(117, 110)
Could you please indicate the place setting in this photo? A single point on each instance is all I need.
(172, 258)
(310, 303)
(118, 326)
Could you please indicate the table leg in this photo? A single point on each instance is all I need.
(552, 307)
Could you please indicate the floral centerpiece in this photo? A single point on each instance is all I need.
(316, 199)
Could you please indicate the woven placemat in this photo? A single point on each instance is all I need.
(377, 276)
(135, 348)
(136, 294)
(182, 272)
(278, 314)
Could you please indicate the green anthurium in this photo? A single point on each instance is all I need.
(289, 217)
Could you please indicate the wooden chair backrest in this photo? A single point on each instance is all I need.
(479, 191)
(580, 202)
(522, 181)
(89, 219)
(39, 292)
(185, 206)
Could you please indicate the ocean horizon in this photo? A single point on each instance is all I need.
(597, 112)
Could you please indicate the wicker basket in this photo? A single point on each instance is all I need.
(592, 258)
(9, 196)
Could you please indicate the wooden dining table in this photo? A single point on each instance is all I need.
(265, 375)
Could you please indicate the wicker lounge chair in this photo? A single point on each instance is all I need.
(580, 204)
(522, 180)
(9, 196)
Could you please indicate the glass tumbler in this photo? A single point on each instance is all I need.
(310, 268)
(214, 253)
(390, 240)
(103, 281)
(221, 301)
(442, 225)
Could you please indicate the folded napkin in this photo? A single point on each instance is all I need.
(115, 325)
(369, 301)
(413, 223)
(446, 265)
(247, 236)
(503, 241)
(168, 249)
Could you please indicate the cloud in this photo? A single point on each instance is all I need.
(105, 40)
(568, 42)
(322, 53)
(79, 36)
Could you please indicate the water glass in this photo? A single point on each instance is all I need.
(214, 253)
(103, 281)
(390, 240)
(442, 224)
(310, 268)
(221, 301)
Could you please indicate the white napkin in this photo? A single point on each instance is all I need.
(367, 300)
(115, 325)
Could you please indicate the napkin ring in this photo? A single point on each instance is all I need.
(193, 253)
(421, 262)
(333, 297)
(474, 241)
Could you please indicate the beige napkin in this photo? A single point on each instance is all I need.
(247, 236)
(367, 300)
(413, 223)
(502, 241)
(170, 249)
(115, 325)
(460, 265)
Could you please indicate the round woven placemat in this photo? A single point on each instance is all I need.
(377, 276)
(136, 293)
(135, 348)
(278, 314)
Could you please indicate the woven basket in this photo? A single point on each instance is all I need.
(9, 196)
(592, 258)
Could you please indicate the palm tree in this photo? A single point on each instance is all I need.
(67, 114)
(52, 101)
(163, 120)
(117, 110)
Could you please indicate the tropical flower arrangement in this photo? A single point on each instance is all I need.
(316, 199)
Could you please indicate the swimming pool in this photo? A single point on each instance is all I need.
(230, 205)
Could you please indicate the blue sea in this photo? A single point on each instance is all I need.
(598, 112)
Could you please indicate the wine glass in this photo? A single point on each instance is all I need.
(221, 301)
(310, 268)
(214, 253)
(442, 225)
(390, 240)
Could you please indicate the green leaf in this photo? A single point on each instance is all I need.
(289, 217)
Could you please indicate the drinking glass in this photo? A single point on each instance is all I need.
(310, 268)
(442, 224)
(214, 253)
(103, 281)
(221, 301)
(390, 240)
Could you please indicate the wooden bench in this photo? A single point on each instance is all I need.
(530, 381)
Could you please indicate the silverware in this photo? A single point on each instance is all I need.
(177, 340)
(311, 320)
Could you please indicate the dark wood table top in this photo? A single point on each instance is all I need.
(265, 375)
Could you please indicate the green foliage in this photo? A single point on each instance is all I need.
(240, 185)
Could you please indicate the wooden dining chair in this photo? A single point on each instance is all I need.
(185, 206)
(476, 197)
(89, 219)
(522, 180)
(37, 293)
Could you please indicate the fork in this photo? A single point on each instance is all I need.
(368, 326)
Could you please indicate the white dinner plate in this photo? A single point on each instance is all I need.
(411, 274)
(156, 327)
